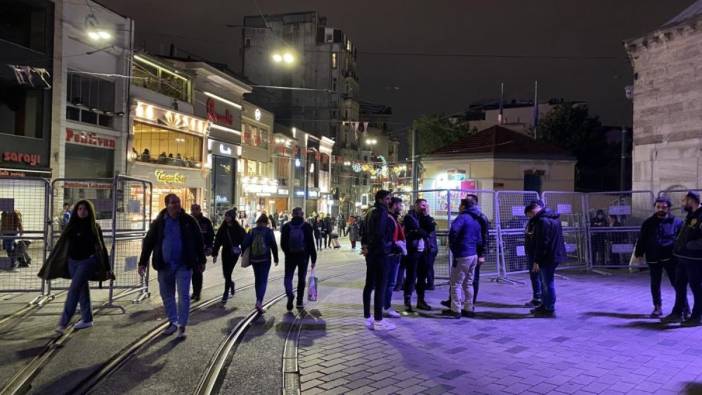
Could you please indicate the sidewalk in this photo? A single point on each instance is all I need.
(601, 342)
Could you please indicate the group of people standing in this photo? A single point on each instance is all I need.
(177, 244)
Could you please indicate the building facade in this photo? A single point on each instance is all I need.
(258, 187)
(667, 96)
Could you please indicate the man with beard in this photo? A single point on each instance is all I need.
(688, 251)
(655, 242)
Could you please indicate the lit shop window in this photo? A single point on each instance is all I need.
(153, 144)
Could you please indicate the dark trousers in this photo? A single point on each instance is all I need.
(353, 244)
(400, 278)
(694, 277)
(476, 282)
(227, 269)
(393, 268)
(291, 264)
(261, 271)
(431, 258)
(197, 282)
(536, 285)
(376, 281)
(656, 271)
(326, 238)
(548, 286)
(681, 304)
(416, 266)
(318, 241)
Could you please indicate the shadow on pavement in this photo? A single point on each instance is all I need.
(692, 388)
(497, 305)
(210, 313)
(650, 325)
(609, 314)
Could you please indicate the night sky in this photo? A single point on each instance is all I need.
(416, 85)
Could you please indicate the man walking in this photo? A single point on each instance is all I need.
(545, 248)
(418, 225)
(175, 240)
(688, 251)
(656, 240)
(297, 242)
(377, 245)
(207, 231)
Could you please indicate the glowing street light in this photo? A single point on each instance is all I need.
(99, 35)
(286, 57)
(277, 58)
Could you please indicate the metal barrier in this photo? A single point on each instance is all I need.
(24, 232)
(612, 241)
(571, 208)
(511, 223)
(123, 211)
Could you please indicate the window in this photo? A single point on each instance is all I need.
(26, 25)
(89, 99)
(22, 110)
(333, 84)
(251, 168)
(334, 60)
(151, 76)
(154, 144)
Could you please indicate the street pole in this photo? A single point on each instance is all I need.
(415, 167)
(622, 158)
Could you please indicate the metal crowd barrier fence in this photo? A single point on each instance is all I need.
(511, 223)
(24, 213)
(571, 208)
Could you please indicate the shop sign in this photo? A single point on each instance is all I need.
(20, 173)
(22, 158)
(86, 185)
(90, 139)
(214, 116)
(283, 191)
(257, 114)
(169, 178)
(170, 119)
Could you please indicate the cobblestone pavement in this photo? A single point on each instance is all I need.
(601, 342)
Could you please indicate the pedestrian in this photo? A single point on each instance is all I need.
(655, 243)
(79, 255)
(354, 232)
(10, 229)
(417, 229)
(230, 236)
(273, 221)
(474, 211)
(297, 243)
(545, 248)
(317, 231)
(175, 241)
(261, 244)
(65, 218)
(688, 251)
(207, 231)
(399, 250)
(327, 230)
(599, 240)
(342, 225)
(464, 241)
(377, 243)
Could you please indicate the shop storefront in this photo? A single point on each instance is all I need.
(89, 154)
(224, 161)
(168, 149)
(257, 195)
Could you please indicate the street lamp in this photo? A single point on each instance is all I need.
(286, 57)
(371, 141)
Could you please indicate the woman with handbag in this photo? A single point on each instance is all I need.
(229, 237)
(257, 248)
(79, 255)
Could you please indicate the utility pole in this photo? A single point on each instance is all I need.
(622, 158)
(415, 165)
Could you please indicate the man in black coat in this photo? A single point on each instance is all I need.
(297, 242)
(545, 248)
(207, 231)
(418, 226)
(688, 251)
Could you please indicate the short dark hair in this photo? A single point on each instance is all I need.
(169, 197)
(420, 200)
(263, 219)
(395, 200)
(532, 205)
(664, 199)
(381, 194)
(467, 203)
(472, 197)
(297, 212)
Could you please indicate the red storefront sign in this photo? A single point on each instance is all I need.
(21, 157)
(214, 116)
(91, 139)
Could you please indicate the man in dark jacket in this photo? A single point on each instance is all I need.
(377, 242)
(207, 231)
(297, 242)
(418, 226)
(688, 251)
(464, 240)
(545, 248)
(175, 240)
(655, 242)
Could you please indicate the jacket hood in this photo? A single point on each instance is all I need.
(548, 213)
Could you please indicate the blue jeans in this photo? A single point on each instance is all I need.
(261, 271)
(394, 267)
(548, 282)
(170, 281)
(79, 292)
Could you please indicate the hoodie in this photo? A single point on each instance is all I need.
(544, 241)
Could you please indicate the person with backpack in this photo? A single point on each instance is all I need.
(297, 243)
(229, 237)
(260, 243)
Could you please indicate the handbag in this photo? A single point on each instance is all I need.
(245, 258)
(236, 250)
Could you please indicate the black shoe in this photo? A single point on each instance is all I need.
(451, 313)
(533, 303)
(232, 290)
(543, 312)
(431, 287)
(468, 314)
(657, 311)
(290, 303)
(692, 322)
(195, 298)
(422, 305)
(299, 305)
(673, 318)
(446, 303)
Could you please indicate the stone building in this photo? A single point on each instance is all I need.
(667, 96)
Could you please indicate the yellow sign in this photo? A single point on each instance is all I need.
(169, 178)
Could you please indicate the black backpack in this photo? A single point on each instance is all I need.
(296, 239)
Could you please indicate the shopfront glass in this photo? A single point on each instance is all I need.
(187, 196)
(153, 144)
(88, 162)
(223, 173)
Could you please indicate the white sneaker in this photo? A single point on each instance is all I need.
(83, 325)
(181, 333)
(391, 313)
(368, 322)
(383, 326)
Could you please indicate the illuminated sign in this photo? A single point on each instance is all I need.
(170, 119)
(214, 116)
(169, 178)
(21, 157)
(91, 139)
(257, 114)
(259, 186)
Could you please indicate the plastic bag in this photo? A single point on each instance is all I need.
(312, 287)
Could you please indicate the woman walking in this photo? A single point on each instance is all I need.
(79, 255)
(260, 243)
(230, 236)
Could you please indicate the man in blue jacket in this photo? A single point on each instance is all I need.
(688, 250)
(656, 240)
(464, 240)
(545, 248)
